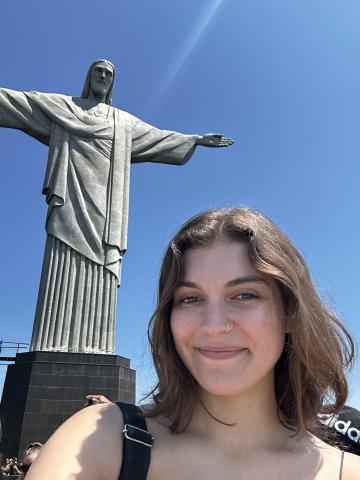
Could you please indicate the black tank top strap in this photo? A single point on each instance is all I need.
(137, 443)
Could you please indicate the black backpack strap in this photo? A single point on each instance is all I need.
(137, 443)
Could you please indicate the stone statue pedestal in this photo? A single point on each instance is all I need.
(43, 389)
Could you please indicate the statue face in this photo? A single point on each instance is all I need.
(101, 79)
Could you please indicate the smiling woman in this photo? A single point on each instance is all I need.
(246, 354)
(252, 257)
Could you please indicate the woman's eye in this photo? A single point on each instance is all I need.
(188, 300)
(245, 296)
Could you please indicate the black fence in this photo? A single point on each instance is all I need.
(8, 350)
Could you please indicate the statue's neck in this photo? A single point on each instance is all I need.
(96, 98)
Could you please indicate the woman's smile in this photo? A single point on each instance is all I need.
(220, 353)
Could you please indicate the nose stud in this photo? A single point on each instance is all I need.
(229, 326)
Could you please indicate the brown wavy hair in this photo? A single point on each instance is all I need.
(318, 349)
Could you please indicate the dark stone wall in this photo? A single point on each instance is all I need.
(43, 389)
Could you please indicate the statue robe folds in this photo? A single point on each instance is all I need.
(87, 190)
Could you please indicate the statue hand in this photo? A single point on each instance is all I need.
(214, 140)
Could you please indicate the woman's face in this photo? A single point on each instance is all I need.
(222, 287)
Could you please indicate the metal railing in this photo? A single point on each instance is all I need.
(17, 346)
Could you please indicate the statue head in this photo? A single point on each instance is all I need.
(100, 80)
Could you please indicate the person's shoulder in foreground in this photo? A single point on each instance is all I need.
(351, 467)
(343, 464)
(88, 446)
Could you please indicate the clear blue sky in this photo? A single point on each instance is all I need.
(282, 78)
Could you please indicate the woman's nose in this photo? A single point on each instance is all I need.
(214, 318)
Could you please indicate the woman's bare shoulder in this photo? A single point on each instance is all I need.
(158, 426)
(87, 446)
(351, 469)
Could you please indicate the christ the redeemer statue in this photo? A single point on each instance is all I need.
(91, 146)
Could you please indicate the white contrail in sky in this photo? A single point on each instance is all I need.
(185, 51)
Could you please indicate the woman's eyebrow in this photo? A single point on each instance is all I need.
(245, 279)
(186, 283)
(231, 283)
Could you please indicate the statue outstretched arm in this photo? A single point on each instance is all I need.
(214, 140)
(19, 110)
(151, 144)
